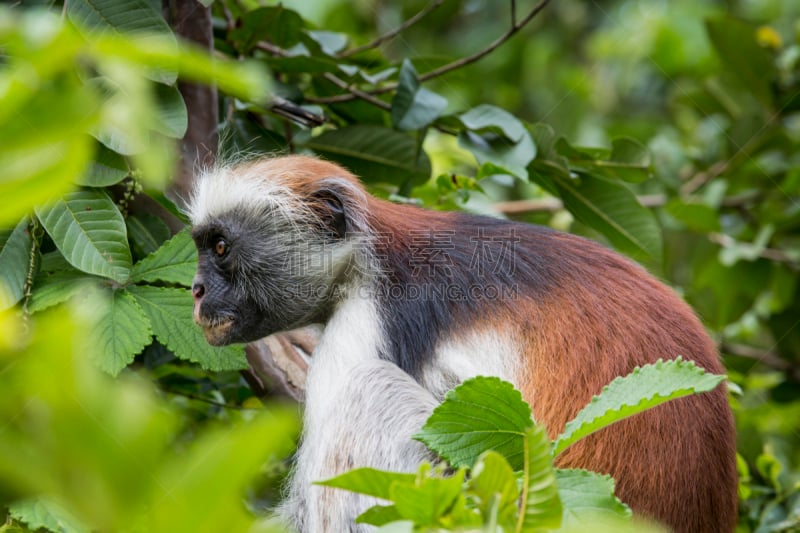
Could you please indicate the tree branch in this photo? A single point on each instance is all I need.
(766, 357)
(459, 63)
(391, 34)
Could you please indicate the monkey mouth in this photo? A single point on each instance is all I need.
(215, 329)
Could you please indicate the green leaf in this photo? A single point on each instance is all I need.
(108, 168)
(120, 331)
(146, 232)
(695, 215)
(586, 496)
(629, 160)
(493, 481)
(171, 116)
(90, 232)
(379, 515)
(170, 314)
(38, 174)
(278, 25)
(226, 459)
(613, 210)
(44, 514)
(542, 506)
(644, 388)
(483, 413)
(125, 17)
(368, 481)
(14, 262)
(490, 119)
(414, 107)
(53, 288)
(512, 157)
(737, 48)
(428, 499)
(174, 262)
(374, 153)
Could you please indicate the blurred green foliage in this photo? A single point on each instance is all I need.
(669, 129)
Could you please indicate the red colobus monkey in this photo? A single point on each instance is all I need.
(416, 301)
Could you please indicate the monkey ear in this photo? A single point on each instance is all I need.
(331, 212)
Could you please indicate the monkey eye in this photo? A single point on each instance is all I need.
(220, 247)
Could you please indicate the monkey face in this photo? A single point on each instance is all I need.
(260, 272)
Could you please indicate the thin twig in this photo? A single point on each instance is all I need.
(779, 256)
(459, 63)
(767, 357)
(391, 34)
(353, 91)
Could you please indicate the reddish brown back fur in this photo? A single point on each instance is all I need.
(599, 317)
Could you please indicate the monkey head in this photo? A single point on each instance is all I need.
(276, 241)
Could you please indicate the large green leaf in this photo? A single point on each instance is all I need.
(174, 262)
(375, 153)
(15, 251)
(541, 504)
(120, 331)
(413, 106)
(89, 231)
(125, 17)
(276, 24)
(586, 496)
(170, 314)
(644, 388)
(613, 210)
(483, 413)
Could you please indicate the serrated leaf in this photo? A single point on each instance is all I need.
(14, 261)
(374, 153)
(488, 118)
(493, 481)
(369, 481)
(644, 388)
(613, 210)
(170, 314)
(483, 413)
(120, 331)
(90, 232)
(414, 107)
(428, 499)
(586, 496)
(53, 288)
(174, 262)
(44, 514)
(542, 506)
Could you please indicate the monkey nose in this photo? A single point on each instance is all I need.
(198, 290)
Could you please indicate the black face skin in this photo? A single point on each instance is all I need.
(260, 274)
